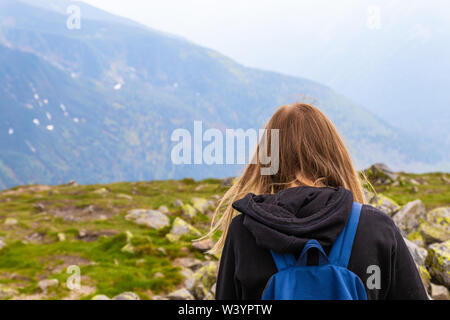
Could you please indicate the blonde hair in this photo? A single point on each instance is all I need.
(311, 153)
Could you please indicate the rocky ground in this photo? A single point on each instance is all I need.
(134, 240)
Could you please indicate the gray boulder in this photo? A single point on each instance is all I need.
(47, 283)
(385, 204)
(419, 254)
(150, 218)
(439, 292)
(181, 228)
(438, 262)
(127, 296)
(181, 294)
(409, 217)
(436, 226)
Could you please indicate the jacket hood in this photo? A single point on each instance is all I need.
(286, 220)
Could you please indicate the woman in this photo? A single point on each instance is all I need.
(309, 197)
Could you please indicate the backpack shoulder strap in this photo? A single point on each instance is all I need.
(342, 247)
(283, 261)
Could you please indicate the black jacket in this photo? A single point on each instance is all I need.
(284, 221)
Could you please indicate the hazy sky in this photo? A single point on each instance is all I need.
(254, 32)
(269, 34)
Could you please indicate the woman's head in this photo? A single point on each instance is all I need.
(311, 153)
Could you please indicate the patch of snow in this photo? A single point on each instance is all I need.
(36, 122)
(11, 131)
(50, 127)
(63, 107)
(29, 106)
(118, 86)
(45, 101)
(76, 120)
(36, 96)
(49, 116)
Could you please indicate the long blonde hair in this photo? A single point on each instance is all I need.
(311, 153)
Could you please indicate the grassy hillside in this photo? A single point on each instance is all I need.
(46, 229)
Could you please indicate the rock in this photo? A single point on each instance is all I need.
(82, 233)
(127, 296)
(209, 296)
(368, 195)
(203, 245)
(436, 226)
(188, 211)
(101, 191)
(178, 203)
(180, 228)
(188, 262)
(162, 251)
(385, 204)
(7, 292)
(35, 237)
(414, 189)
(158, 275)
(100, 297)
(2, 244)
(181, 294)
(11, 221)
(213, 288)
(201, 187)
(72, 183)
(438, 262)
(150, 218)
(40, 207)
(380, 173)
(61, 236)
(419, 254)
(125, 196)
(188, 276)
(164, 209)
(128, 248)
(409, 217)
(172, 238)
(141, 262)
(425, 277)
(228, 182)
(48, 283)
(204, 279)
(202, 205)
(445, 179)
(439, 292)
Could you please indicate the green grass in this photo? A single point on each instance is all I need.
(110, 270)
(434, 193)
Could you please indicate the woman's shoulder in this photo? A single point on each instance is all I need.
(237, 224)
(378, 223)
(238, 231)
(376, 215)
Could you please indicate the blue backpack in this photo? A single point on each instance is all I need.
(329, 280)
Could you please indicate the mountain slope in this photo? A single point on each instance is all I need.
(99, 104)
